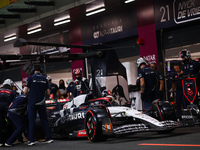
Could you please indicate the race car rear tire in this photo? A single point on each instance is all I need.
(93, 128)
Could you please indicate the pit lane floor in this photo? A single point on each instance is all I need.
(187, 138)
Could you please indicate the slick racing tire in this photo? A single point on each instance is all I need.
(93, 128)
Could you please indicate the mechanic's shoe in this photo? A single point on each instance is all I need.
(31, 143)
(1, 144)
(8, 145)
(49, 141)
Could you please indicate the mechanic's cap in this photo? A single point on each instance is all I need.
(184, 54)
(49, 78)
(77, 71)
(8, 82)
(69, 81)
(140, 61)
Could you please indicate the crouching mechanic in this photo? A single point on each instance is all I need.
(81, 83)
(38, 86)
(6, 97)
(16, 113)
(148, 82)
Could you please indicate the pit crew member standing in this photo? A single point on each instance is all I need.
(160, 82)
(6, 97)
(177, 86)
(190, 67)
(16, 113)
(148, 82)
(38, 85)
(81, 83)
(54, 90)
(71, 91)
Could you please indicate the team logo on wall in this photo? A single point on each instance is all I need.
(189, 89)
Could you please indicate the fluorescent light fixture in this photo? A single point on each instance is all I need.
(62, 20)
(34, 31)
(10, 37)
(95, 11)
(128, 1)
(33, 28)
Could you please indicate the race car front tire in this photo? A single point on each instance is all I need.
(93, 128)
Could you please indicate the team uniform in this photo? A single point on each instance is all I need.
(38, 85)
(6, 97)
(16, 113)
(159, 78)
(71, 89)
(150, 86)
(53, 89)
(181, 101)
(81, 86)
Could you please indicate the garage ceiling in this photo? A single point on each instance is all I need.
(27, 11)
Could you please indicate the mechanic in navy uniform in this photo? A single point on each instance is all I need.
(38, 86)
(177, 87)
(16, 113)
(190, 67)
(148, 82)
(160, 82)
(6, 97)
(71, 90)
(81, 83)
(54, 90)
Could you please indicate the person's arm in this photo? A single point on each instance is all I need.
(142, 85)
(26, 90)
(161, 85)
(48, 92)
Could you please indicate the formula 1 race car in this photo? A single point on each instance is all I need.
(98, 119)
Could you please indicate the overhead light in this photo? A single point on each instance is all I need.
(36, 27)
(94, 7)
(95, 11)
(10, 37)
(62, 20)
(128, 1)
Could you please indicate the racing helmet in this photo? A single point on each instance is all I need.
(8, 82)
(140, 61)
(106, 93)
(78, 73)
(184, 54)
(49, 78)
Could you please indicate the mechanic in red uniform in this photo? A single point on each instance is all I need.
(6, 97)
(81, 83)
(38, 86)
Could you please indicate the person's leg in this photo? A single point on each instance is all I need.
(2, 123)
(44, 121)
(32, 117)
(19, 124)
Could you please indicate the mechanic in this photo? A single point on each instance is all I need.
(38, 85)
(6, 97)
(71, 92)
(81, 83)
(54, 91)
(16, 113)
(148, 82)
(177, 87)
(160, 83)
(190, 67)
